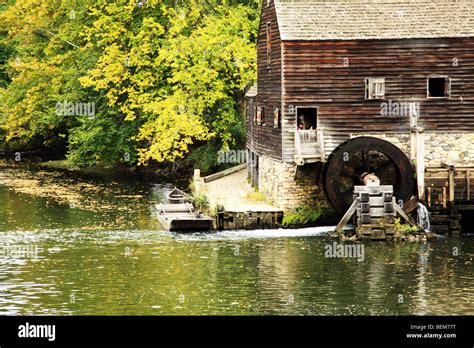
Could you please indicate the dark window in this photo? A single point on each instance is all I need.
(439, 87)
(269, 43)
(261, 116)
(306, 118)
(467, 222)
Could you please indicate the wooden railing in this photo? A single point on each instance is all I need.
(307, 147)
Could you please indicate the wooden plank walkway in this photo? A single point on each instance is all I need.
(232, 191)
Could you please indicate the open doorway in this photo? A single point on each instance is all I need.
(306, 118)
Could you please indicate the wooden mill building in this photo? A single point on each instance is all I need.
(359, 86)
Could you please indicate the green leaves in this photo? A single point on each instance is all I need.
(303, 215)
(166, 77)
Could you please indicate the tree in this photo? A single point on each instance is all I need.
(186, 68)
(165, 77)
(44, 70)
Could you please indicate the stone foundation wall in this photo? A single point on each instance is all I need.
(450, 148)
(402, 141)
(289, 186)
(453, 149)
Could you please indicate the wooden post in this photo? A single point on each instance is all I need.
(429, 198)
(451, 184)
(413, 144)
(444, 197)
(321, 144)
(413, 134)
(468, 183)
(420, 163)
(197, 181)
(249, 167)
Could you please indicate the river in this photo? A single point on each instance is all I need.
(92, 246)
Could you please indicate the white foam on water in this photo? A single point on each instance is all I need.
(277, 233)
(247, 234)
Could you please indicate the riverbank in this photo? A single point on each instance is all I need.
(57, 186)
(157, 173)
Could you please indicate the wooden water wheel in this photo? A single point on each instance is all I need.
(355, 157)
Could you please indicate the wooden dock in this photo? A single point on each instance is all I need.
(231, 195)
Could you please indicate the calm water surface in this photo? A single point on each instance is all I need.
(100, 251)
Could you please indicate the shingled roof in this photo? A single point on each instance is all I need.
(374, 19)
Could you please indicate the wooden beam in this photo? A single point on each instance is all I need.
(345, 219)
(411, 205)
(321, 144)
(400, 212)
(223, 173)
(413, 145)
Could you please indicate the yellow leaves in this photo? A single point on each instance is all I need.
(87, 81)
(171, 133)
(129, 114)
(167, 143)
(110, 71)
(150, 29)
(112, 96)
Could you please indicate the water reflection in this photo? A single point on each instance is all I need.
(148, 272)
(118, 262)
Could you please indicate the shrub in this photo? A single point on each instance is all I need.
(406, 228)
(200, 201)
(302, 215)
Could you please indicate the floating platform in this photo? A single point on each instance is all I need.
(182, 218)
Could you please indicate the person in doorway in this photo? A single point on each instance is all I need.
(301, 123)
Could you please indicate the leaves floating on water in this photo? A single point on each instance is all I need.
(78, 194)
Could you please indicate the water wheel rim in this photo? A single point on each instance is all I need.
(334, 185)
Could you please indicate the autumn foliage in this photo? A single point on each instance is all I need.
(166, 78)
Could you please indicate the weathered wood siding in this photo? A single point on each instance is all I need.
(265, 139)
(331, 74)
